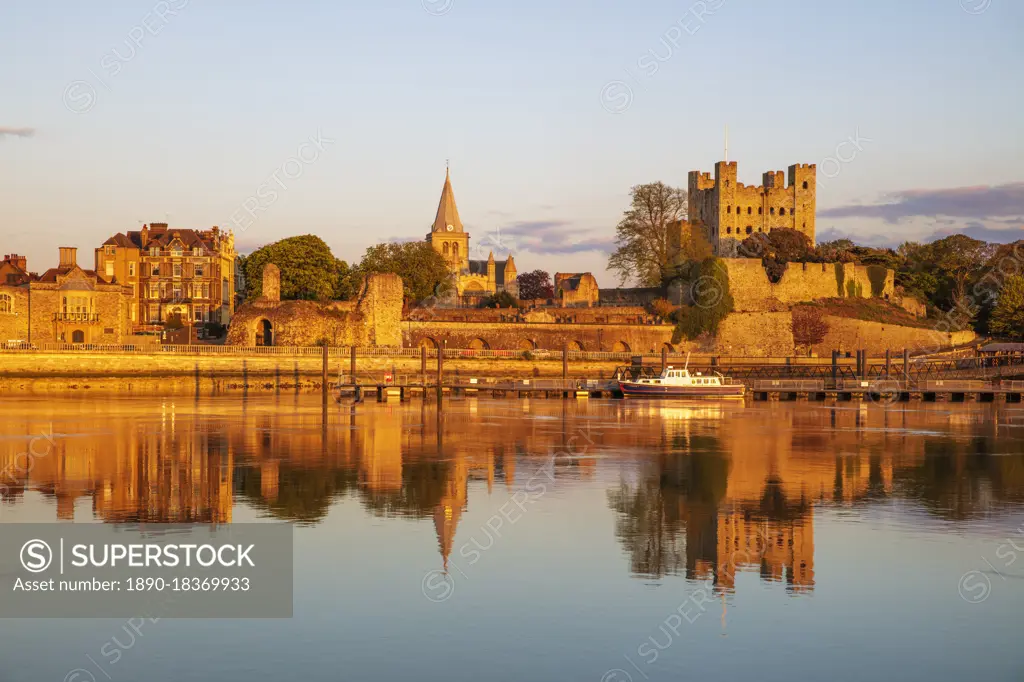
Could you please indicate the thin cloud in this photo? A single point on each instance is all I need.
(16, 132)
(983, 232)
(978, 203)
(555, 237)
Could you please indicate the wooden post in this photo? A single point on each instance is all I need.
(352, 365)
(423, 366)
(440, 375)
(664, 358)
(323, 376)
(888, 363)
(906, 365)
(835, 366)
(565, 366)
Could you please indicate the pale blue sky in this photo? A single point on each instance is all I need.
(193, 120)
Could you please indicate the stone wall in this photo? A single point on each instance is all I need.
(576, 288)
(752, 291)
(111, 302)
(631, 297)
(526, 336)
(14, 322)
(756, 334)
(373, 319)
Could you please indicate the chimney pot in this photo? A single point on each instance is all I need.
(68, 256)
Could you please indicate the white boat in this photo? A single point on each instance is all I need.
(680, 383)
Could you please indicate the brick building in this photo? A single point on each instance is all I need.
(173, 272)
(730, 210)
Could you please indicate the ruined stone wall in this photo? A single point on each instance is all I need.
(373, 319)
(586, 293)
(638, 297)
(802, 282)
(525, 336)
(14, 321)
(758, 334)
(271, 282)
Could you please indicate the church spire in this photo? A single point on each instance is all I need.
(447, 212)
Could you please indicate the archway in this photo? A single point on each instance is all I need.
(620, 347)
(669, 348)
(78, 336)
(527, 344)
(264, 333)
(478, 344)
(575, 345)
(427, 342)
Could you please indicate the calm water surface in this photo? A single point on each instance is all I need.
(548, 540)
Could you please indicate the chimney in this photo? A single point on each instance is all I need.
(144, 236)
(17, 261)
(68, 256)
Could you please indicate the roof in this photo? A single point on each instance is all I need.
(120, 239)
(161, 237)
(479, 267)
(447, 212)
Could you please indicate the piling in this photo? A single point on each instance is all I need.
(664, 358)
(352, 365)
(565, 366)
(323, 374)
(888, 363)
(423, 366)
(440, 376)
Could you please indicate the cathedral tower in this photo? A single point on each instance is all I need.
(447, 235)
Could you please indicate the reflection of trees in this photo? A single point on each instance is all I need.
(681, 492)
(303, 494)
(959, 479)
(423, 485)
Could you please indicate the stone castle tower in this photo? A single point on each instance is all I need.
(730, 210)
(473, 278)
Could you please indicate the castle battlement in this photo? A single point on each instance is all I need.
(731, 211)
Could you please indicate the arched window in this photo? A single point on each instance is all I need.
(6, 303)
(728, 230)
(760, 210)
(446, 248)
(455, 250)
(750, 209)
(728, 209)
(782, 211)
(805, 226)
(772, 210)
(749, 229)
(760, 229)
(805, 184)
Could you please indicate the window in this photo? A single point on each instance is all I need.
(728, 209)
(200, 269)
(197, 251)
(109, 249)
(455, 250)
(760, 210)
(760, 229)
(805, 184)
(131, 269)
(749, 229)
(728, 230)
(109, 267)
(782, 211)
(750, 210)
(6, 303)
(176, 251)
(176, 292)
(772, 210)
(154, 250)
(445, 248)
(155, 269)
(199, 315)
(177, 270)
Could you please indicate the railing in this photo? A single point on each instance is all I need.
(797, 385)
(76, 317)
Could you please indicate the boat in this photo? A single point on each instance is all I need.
(680, 383)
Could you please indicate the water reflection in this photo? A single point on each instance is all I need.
(704, 491)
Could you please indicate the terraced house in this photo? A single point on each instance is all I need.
(173, 273)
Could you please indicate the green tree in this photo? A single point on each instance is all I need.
(534, 285)
(1007, 317)
(502, 299)
(348, 283)
(643, 241)
(309, 271)
(423, 270)
(711, 301)
(778, 247)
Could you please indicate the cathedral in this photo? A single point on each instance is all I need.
(474, 279)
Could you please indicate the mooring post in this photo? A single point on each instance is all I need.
(888, 363)
(835, 366)
(352, 365)
(565, 366)
(440, 376)
(423, 366)
(906, 366)
(664, 358)
(323, 376)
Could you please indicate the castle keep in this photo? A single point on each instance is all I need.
(730, 210)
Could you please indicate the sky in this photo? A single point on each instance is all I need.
(338, 118)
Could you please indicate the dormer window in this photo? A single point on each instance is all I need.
(176, 251)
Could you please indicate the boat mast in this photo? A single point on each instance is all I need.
(687, 361)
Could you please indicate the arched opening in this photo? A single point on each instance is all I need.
(782, 211)
(760, 210)
(478, 344)
(6, 303)
(427, 342)
(527, 344)
(444, 248)
(749, 229)
(728, 230)
(78, 336)
(455, 250)
(620, 347)
(728, 209)
(771, 210)
(264, 333)
(669, 348)
(805, 184)
(575, 345)
(474, 286)
(750, 210)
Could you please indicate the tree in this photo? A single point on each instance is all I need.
(809, 326)
(534, 285)
(502, 299)
(778, 247)
(643, 246)
(711, 301)
(349, 279)
(423, 270)
(308, 269)
(1007, 318)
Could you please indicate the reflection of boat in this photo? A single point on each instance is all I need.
(679, 383)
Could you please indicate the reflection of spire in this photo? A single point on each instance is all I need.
(446, 521)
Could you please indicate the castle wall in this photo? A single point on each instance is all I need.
(527, 336)
(801, 282)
